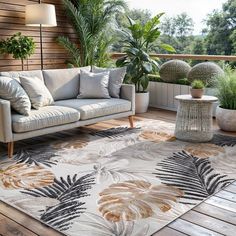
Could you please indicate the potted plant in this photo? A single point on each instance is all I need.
(20, 46)
(226, 93)
(197, 89)
(137, 41)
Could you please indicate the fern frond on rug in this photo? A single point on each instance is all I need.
(68, 191)
(193, 175)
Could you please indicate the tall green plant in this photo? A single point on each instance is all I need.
(137, 42)
(226, 89)
(91, 20)
(20, 46)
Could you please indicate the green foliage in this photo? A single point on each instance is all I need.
(226, 89)
(197, 47)
(177, 31)
(183, 26)
(72, 50)
(197, 84)
(220, 30)
(91, 20)
(155, 78)
(183, 81)
(137, 41)
(20, 46)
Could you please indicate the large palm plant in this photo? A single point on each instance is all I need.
(91, 20)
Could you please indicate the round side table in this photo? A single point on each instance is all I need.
(194, 118)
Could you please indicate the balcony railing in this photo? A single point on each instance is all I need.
(186, 57)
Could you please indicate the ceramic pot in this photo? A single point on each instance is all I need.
(226, 119)
(196, 93)
(141, 102)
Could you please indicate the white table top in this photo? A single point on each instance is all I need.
(204, 98)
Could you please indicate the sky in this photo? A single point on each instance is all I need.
(196, 9)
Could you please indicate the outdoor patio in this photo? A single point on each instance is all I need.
(117, 121)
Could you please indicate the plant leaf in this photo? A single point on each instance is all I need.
(167, 47)
(193, 175)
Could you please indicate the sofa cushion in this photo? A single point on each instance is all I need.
(116, 77)
(63, 83)
(16, 74)
(93, 85)
(92, 108)
(45, 117)
(37, 91)
(11, 90)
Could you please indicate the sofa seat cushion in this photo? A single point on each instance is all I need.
(44, 117)
(92, 108)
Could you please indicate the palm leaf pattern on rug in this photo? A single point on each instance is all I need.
(195, 176)
(223, 140)
(117, 132)
(68, 192)
(37, 154)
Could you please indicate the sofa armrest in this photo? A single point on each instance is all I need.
(128, 93)
(5, 122)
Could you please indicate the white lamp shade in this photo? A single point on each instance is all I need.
(40, 14)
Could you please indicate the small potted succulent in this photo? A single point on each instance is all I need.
(197, 89)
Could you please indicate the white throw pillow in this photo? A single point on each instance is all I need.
(116, 79)
(93, 85)
(11, 90)
(37, 91)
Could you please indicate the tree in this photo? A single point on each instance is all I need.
(183, 25)
(197, 48)
(139, 15)
(91, 20)
(20, 46)
(220, 30)
(177, 31)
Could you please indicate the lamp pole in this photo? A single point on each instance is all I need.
(41, 43)
(40, 15)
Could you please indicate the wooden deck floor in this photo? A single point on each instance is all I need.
(215, 216)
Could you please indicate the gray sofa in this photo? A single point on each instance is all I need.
(67, 112)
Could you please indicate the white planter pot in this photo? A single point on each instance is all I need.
(141, 102)
(226, 119)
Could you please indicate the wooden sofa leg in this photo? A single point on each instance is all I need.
(10, 149)
(131, 121)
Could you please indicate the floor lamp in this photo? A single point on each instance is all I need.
(40, 15)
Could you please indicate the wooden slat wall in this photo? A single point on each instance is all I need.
(12, 20)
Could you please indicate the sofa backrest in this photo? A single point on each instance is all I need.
(17, 74)
(63, 83)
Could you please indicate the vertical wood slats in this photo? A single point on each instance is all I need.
(12, 20)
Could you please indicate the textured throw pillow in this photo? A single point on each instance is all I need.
(115, 79)
(94, 85)
(11, 90)
(37, 91)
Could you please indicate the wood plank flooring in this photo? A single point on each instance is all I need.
(215, 216)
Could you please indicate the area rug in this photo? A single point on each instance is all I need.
(118, 181)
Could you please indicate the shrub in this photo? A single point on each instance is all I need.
(184, 81)
(226, 89)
